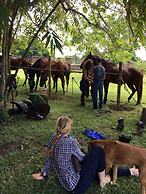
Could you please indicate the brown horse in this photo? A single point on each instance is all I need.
(14, 64)
(130, 76)
(36, 69)
(40, 69)
(58, 70)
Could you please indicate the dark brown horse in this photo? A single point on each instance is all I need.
(24, 64)
(40, 69)
(40, 65)
(130, 76)
(14, 64)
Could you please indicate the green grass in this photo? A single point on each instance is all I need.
(29, 138)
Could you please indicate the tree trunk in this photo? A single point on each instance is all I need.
(5, 67)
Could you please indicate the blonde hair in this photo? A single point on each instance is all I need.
(63, 127)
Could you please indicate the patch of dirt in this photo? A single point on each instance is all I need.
(53, 95)
(121, 108)
(56, 97)
(5, 148)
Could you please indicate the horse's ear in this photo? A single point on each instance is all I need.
(90, 54)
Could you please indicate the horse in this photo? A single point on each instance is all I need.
(58, 70)
(24, 64)
(36, 69)
(40, 69)
(14, 64)
(130, 76)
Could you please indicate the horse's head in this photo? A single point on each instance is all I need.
(43, 78)
(94, 58)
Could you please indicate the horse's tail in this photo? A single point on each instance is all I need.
(141, 87)
(67, 75)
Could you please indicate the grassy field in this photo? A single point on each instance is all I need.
(22, 141)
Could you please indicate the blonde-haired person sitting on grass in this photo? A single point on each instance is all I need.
(61, 148)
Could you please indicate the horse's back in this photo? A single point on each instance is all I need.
(41, 63)
(132, 75)
(135, 71)
(57, 66)
(16, 62)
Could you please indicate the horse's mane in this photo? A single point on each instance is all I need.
(108, 64)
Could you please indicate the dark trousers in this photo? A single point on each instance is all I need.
(94, 162)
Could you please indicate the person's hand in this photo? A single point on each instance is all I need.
(37, 176)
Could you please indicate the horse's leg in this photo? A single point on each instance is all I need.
(106, 85)
(53, 77)
(139, 89)
(26, 77)
(56, 85)
(140, 93)
(37, 81)
(63, 83)
(67, 82)
(133, 89)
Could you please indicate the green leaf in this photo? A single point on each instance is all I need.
(56, 35)
(85, 9)
(48, 41)
(58, 45)
(45, 35)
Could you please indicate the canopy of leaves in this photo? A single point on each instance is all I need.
(111, 28)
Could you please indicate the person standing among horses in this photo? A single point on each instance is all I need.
(98, 83)
(87, 79)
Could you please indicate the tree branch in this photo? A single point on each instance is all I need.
(36, 34)
(88, 21)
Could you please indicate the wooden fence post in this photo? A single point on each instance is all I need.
(119, 85)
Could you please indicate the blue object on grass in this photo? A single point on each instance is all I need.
(93, 134)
